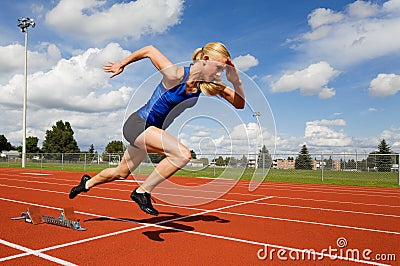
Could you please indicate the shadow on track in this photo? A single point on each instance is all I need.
(166, 219)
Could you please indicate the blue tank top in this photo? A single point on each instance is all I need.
(165, 105)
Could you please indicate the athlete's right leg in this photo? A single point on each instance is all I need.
(130, 161)
(177, 156)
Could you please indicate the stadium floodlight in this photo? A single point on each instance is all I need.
(24, 24)
(256, 115)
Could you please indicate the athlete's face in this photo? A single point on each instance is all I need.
(212, 69)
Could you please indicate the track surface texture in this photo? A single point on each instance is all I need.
(277, 224)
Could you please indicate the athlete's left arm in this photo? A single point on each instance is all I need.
(234, 96)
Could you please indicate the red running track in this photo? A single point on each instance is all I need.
(279, 223)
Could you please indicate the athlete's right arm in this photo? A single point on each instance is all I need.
(169, 71)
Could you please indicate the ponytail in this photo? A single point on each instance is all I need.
(197, 54)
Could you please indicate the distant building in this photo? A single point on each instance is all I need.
(251, 163)
(196, 163)
(10, 154)
(336, 165)
(284, 164)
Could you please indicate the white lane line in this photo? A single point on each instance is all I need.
(312, 188)
(100, 197)
(272, 204)
(29, 251)
(221, 199)
(323, 191)
(39, 174)
(330, 210)
(118, 232)
(339, 202)
(276, 247)
(313, 223)
(159, 225)
(250, 215)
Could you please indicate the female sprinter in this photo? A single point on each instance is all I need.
(179, 89)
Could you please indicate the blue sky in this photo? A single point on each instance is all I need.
(322, 73)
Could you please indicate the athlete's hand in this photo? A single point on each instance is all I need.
(113, 67)
(231, 72)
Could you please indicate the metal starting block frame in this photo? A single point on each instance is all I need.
(67, 218)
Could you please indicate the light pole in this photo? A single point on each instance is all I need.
(256, 115)
(24, 24)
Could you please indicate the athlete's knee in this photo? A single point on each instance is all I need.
(183, 156)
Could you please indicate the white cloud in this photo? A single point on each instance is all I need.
(327, 93)
(384, 85)
(93, 21)
(241, 139)
(320, 133)
(74, 90)
(245, 62)
(392, 136)
(322, 137)
(323, 16)
(311, 80)
(362, 9)
(363, 31)
(12, 57)
(89, 128)
(325, 122)
(318, 33)
(392, 6)
(77, 84)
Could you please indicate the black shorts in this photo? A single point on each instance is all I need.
(133, 127)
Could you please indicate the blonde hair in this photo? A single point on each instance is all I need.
(213, 50)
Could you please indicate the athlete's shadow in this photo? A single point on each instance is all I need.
(168, 223)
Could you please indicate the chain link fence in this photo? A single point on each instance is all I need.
(327, 168)
(343, 168)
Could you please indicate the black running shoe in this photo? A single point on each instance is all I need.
(144, 202)
(79, 188)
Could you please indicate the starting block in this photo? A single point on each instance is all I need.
(67, 218)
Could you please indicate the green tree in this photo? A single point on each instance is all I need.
(220, 161)
(4, 144)
(115, 146)
(193, 154)
(351, 164)
(384, 160)
(232, 161)
(91, 149)
(243, 161)
(32, 145)
(60, 139)
(328, 163)
(264, 159)
(303, 160)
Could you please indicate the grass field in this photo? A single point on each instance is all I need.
(374, 179)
